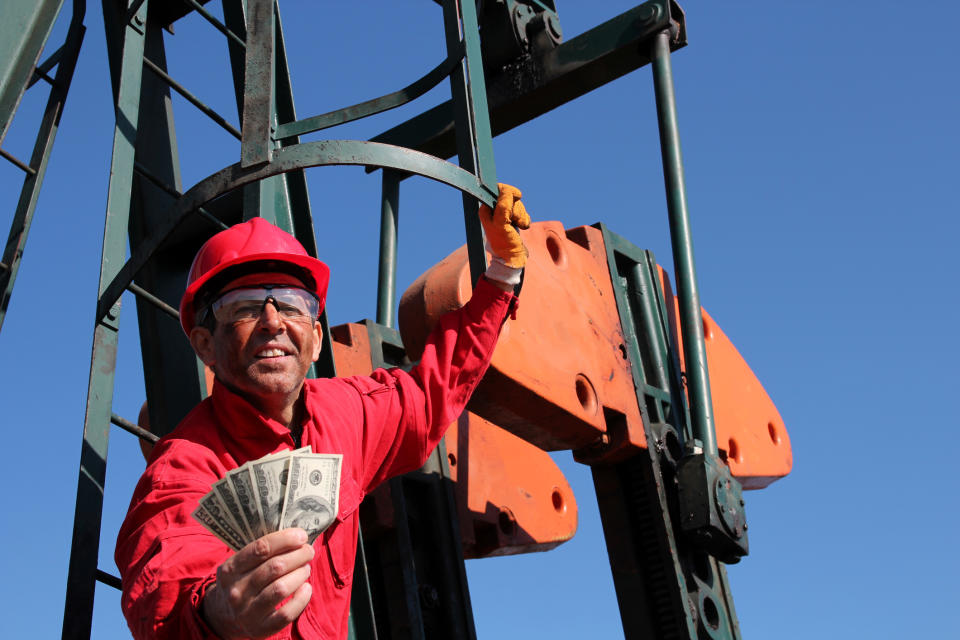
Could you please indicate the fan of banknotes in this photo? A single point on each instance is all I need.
(280, 490)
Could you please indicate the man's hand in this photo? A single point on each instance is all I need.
(243, 603)
(500, 225)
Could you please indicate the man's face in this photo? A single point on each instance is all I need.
(264, 359)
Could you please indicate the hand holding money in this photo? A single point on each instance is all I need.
(244, 601)
(269, 511)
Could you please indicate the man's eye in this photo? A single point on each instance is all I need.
(289, 309)
(246, 310)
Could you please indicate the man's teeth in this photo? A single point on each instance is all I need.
(270, 353)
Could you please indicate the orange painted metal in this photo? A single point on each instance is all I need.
(511, 497)
(517, 500)
(750, 432)
(560, 377)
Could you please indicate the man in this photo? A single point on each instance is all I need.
(250, 311)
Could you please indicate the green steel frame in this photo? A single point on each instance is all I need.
(667, 586)
(145, 202)
(24, 29)
(413, 566)
(668, 581)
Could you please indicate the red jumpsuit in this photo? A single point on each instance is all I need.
(384, 425)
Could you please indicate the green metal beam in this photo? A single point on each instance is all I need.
(81, 579)
(473, 136)
(258, 109)
(667, 585)
(174, 379)
(522, 92)
(24, 28)
(389, 220)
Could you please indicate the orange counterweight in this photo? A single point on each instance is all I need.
(560, 370)
(560, 377)
(750, 431)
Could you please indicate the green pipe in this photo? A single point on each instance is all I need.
(387, 276)
(691, 320)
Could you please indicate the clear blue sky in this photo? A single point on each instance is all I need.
(820, 144)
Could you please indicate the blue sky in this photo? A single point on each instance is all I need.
(820, 146)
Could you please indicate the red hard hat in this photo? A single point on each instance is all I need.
(249, 242)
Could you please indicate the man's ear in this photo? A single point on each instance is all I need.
(202, 342)
(318, 345)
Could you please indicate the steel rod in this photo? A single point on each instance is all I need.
(192, 99)
(109, 579)
(374, 106)
(42, 69)
(691, 318)
(140, 292)
(219, 26)
(146, 173)
(387, 276)
(135, 429)
(13, 159)
(40, 74)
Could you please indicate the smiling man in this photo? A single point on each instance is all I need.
(251, 312)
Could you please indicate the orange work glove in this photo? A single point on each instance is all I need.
(500, 225)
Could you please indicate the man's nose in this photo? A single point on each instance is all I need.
(270, 315)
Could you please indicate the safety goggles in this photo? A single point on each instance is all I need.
(247, 303)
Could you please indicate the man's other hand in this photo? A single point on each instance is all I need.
(500, 225)
(251, 584)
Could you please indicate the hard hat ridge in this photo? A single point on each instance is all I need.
(251, 246)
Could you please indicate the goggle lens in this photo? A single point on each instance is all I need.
(246, 304)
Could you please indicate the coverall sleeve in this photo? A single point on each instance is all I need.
(166, 558)
(403, 427)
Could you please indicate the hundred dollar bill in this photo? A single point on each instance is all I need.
(270, 479)
(229, 499)
(215, 527)
(312, 493)
(215, 507)
(242, 483)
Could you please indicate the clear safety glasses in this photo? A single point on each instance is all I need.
(247, 303)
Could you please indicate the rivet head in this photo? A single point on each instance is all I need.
(649, 13)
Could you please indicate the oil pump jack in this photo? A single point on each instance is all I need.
(606, 359)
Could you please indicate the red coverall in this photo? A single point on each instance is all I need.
(384, 425)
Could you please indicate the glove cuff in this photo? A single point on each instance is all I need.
(499, 271)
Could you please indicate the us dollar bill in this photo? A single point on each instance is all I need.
(215, 507)
(270, 480)
(229, 499)
(242, 483)
(215, 526)
(248, 502)
(312, 493)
